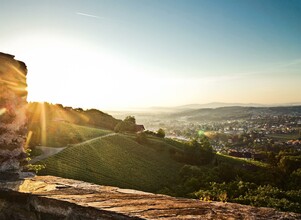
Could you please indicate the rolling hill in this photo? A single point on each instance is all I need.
(60, 134)
(234, 112)
(117, 160)
(56, 126)
(45, 112)
(122, 160)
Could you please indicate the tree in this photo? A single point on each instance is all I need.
(290, 163)
(130, 119)
(161, 133)
(127, 125)
(199, 153)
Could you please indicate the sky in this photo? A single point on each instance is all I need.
(121, 54)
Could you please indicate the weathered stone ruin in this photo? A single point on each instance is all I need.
(12, 116)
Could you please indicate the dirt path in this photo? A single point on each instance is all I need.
(93, 139)
(49, 151)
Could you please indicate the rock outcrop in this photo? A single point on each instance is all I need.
(48, 197)
(12, 116)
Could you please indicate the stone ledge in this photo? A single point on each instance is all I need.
(49, 197)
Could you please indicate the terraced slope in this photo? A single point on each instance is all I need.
(116, 160)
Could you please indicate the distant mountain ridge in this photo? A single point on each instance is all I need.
(219, 105)
(225, 104)
(234, 112)
(212, 105)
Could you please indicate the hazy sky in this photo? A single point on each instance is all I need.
(116, 54)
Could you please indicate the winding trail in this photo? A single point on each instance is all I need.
(96, 138)
(50, 151)
(46, 152)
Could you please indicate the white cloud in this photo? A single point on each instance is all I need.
(87, 15)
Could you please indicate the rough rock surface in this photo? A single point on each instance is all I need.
(13, 129)
(48, 197)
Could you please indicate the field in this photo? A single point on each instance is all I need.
(116, 160)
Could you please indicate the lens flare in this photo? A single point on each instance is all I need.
(43, 125)
(29, 135)
(2, 111)
(201, 133)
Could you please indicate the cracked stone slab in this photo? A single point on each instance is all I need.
(49, 197)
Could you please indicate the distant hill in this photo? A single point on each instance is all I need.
(218, 105)
(57, 112)
(65, 125)
(162, 112)
(235, 112)
(214, 105)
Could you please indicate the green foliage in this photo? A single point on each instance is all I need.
(251, 194)
(35, 167)
(290, 163)
(125, 126)
(130, 119)
(274, 197)
(32, 167)
(295, 180)
(197, 153)
(161, 133)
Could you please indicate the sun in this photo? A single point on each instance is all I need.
(65, 70)
(77, 74)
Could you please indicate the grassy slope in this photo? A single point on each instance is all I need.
(240, 162)
(59, 134)
(118, 161)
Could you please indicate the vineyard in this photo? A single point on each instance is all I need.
(116, 160)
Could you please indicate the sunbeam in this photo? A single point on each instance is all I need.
(43, 125)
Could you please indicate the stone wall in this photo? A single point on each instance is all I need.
(12, 116)
(49, 197)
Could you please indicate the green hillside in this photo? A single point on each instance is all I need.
(116, 160)
(60, 134)
(39, 113)
(56, 126)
